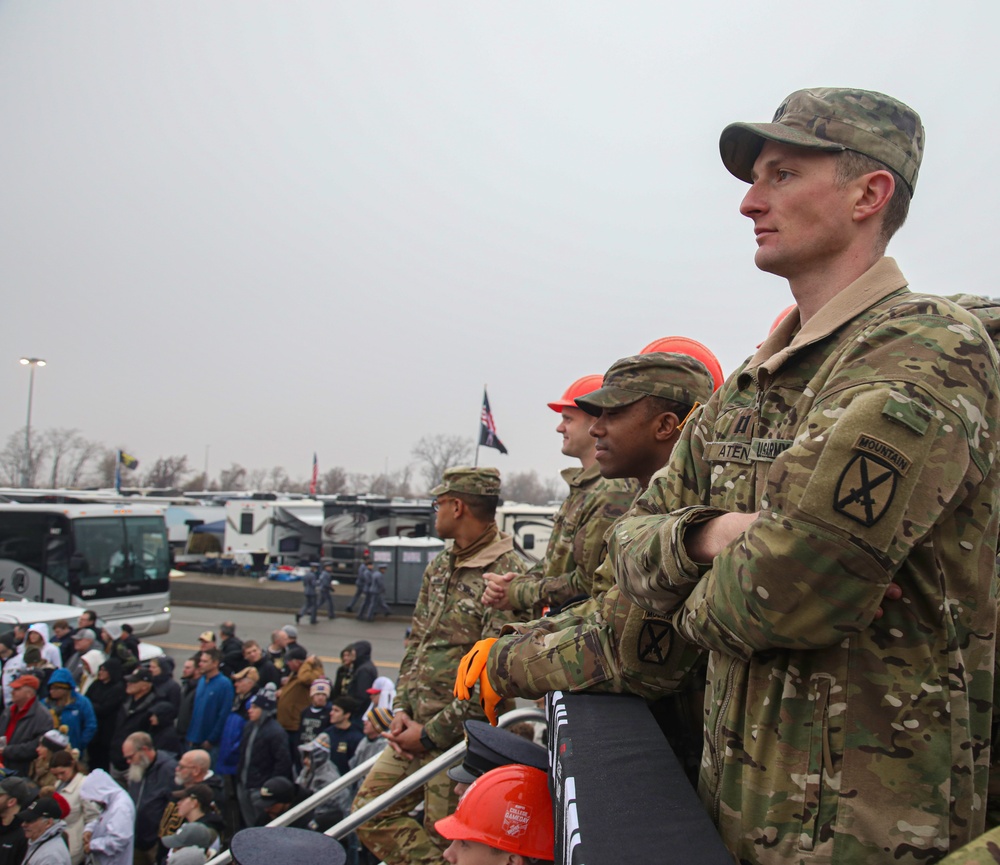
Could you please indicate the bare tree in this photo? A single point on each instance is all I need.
(256, 480)
(388, 484)
(528, 488)
(277, 480)
(18, 466)
(440, 452)
(167, 472)
(70, 454)
(334, 481)
(233, 478)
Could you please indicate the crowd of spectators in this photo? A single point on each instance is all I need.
(117, 762)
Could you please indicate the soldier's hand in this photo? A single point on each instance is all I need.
(705, 541)
(893, 592)
(399, 722)
(495, 593)
(470, 668)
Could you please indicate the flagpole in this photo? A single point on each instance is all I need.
(479, 428)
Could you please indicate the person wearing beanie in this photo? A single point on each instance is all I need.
(263, 754)
(23, 722)
(316, 715)
(376, 722)
(52, 742)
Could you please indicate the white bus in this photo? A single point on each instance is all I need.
(110, 558)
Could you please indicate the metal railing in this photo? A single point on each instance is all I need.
(406, 786)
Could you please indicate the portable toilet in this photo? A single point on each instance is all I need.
(405, 559)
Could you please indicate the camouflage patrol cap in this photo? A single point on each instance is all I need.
(833, 119)
(479, 481)
(677, 377)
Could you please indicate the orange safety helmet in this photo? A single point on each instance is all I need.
(508, 808)
(692, 348)
(581, 387)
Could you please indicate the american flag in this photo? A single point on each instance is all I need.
(488, 429)
(315, 476)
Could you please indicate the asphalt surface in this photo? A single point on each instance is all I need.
(326, 638)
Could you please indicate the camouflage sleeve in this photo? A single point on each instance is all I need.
(446, 724)
(607, 645)
(418, 627)
(836, 524)
(589, 550)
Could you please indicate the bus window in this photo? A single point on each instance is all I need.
(101, 552)
(23, 537)
(147, 541)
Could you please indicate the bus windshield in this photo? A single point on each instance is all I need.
(112, 550)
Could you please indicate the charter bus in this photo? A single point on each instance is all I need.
(110, 558)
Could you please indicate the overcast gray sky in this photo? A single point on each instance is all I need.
(279, 228)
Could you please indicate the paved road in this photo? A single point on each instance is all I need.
(326, 638)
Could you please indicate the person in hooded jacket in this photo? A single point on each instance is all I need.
(46, 833)
(71, 709)
(317, 773)
(163, 719)
(109, 838)
(264, 754)
(363, 676)
(90, 665)
(38, 636)
(106, 695)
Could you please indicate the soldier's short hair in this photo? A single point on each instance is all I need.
(851, 165)
(483, 508)
(658, 405)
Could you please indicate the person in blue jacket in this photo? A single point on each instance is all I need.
(72, 710)
(213, 701)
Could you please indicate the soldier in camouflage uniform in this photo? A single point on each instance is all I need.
(576, 547)
(448, 619)
(856, 447)
(639, 413)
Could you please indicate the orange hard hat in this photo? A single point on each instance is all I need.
(581, 387)
(508, 808)
(692, 348)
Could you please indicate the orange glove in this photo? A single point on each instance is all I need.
(470, 667)
(488, 698)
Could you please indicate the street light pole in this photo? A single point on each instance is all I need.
(30, 362)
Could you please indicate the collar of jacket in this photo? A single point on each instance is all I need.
(877, 283)
(581, 477)
(479, 556)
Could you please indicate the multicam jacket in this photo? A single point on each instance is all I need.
(448, 620)
(867, 441)
(576, 546)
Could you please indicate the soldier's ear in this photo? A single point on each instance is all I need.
(665, 425)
